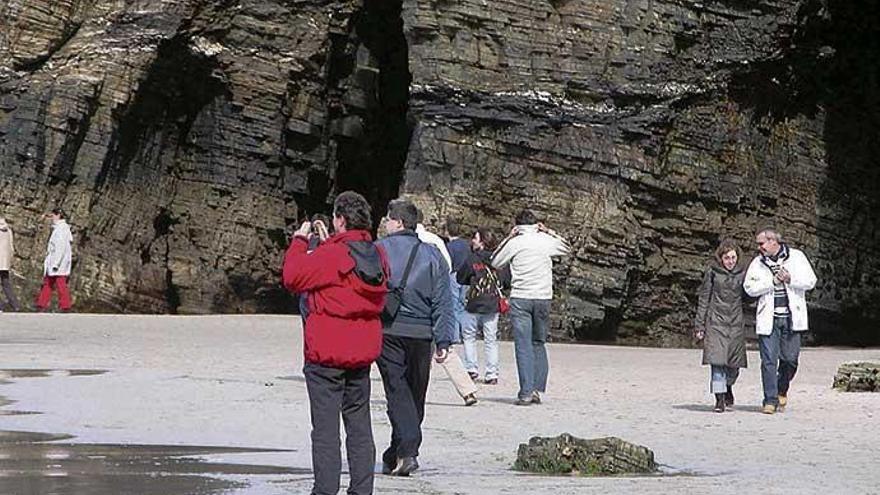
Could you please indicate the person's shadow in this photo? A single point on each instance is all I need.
(709, 408)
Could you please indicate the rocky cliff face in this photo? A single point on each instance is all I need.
(183, 136)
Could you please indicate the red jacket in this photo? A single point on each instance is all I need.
(343, 329)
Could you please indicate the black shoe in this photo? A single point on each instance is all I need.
(470, 400)
(405, 466)
(474, 376)
(728, 397)
(491, 381)
(719, 403)
(523, 402)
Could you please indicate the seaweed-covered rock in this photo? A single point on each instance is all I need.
(566, 454)
(858, 377)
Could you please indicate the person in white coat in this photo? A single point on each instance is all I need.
(529, 250)
(7, 251)
(56, 267)
(453, 366)
(779, 277)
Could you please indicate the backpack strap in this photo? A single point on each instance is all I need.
(409, 264)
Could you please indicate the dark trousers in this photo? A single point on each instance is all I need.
(779, 359)
(332, 392)
(11, 300)
(405, 365)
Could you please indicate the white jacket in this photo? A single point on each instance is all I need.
(434, 240)
(531, 267)
(759, 283)
(59, 252)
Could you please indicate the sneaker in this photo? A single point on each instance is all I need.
(536, 397)
(474, 376)
(783, 401)
(719, 403)
(470, 399)
(768, 409)
(523, 402)
(405, 466)
(491, 381)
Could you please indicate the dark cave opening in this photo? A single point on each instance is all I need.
(830, 70)
(372, 148)
(851, 78)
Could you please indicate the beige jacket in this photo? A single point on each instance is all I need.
(7, 250)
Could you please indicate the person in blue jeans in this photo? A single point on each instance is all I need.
(779, 277)
(481, 310)
(459, 251)
(529, 251)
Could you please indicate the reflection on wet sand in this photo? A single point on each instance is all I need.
(36, 463)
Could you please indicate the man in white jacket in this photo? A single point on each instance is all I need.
(56, 267)
(779, 277)
(529, 250)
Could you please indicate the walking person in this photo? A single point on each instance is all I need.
(420, 325)
(346, 280)
(56, 267)
(7, 252)
(529, 250)
(483, 305)
(719, 322)
(779, 277)
(453, 366)
(459, 251)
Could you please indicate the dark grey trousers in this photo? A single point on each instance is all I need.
(334, 391)
(405, 365)
(11, 300)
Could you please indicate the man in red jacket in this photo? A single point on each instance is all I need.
(346, 281)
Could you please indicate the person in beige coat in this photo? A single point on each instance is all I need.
(7, 250)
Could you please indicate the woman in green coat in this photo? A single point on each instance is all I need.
(719, 323)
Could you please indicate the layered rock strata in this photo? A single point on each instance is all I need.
(183, 136)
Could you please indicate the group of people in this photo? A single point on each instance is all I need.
(56, 265)
(401, 302)
(779, 277)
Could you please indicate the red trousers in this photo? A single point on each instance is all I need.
(54, 283)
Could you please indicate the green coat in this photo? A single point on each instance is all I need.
(720, 316)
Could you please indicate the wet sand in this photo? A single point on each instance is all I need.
(172, 398)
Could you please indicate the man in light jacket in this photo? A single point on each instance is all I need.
(56, 267)
(779, 277)
(529, 250)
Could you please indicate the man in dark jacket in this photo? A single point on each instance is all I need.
(425, 317)
(346, 282)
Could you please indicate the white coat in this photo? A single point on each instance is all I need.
(759, 283)
(59, 251)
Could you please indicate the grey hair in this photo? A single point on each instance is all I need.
(770, 233)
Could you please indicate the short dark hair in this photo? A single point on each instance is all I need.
(488, 238)
(453, 227)
(405, 211)
(354, 209)
(59, 212)
(526, 217)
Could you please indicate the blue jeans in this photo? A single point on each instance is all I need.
(723, 377)
(779, 359)
(458, 294)
(471, 323)
(530, 319)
